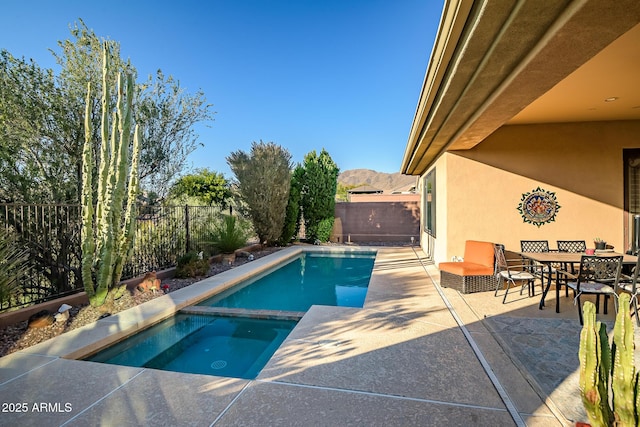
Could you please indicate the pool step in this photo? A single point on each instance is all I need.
(243, 312)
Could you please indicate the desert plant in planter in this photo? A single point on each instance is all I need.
(599, 243)
(229, 236)
(608, 379)
(191, 264)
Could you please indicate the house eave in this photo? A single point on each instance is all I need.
(492, 59)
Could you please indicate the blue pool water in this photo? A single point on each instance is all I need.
(240, 347)
(202, 344)
(322, 279)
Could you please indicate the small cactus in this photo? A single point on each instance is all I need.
(608, 378)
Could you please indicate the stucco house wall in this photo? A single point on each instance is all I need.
(478, 190)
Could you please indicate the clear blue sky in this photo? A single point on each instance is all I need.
(344, 75)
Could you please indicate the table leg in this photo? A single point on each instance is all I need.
(557, 293)
(546, 289)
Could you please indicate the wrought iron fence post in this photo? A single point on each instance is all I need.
(186, 224)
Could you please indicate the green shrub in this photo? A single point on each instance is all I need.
(229, 235)
(325, 227)
(191, 265)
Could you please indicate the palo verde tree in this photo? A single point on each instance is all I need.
(342, 193)
(263, 180)
(107, 233)
(318, 194)
(37, 139)
(42, 138)
(41, 131)
(163, 108)
(206, 187)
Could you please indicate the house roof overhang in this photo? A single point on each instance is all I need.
(497, 63)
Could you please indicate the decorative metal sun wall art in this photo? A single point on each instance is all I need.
(538, 207)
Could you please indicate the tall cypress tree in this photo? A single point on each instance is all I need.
(318, 200)
(292, 214)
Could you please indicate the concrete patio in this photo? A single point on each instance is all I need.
(409, 357)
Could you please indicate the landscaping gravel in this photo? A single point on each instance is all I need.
(19, 336)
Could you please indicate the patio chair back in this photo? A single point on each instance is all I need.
(572, 246)
(502, 264)
(629, 284)
(538, 246)
(501, 260)
(635, 274)
(508, 272)
(598, 275)
(599, 269)
(534, 246)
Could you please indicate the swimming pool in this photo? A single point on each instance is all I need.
(241, 345)
(235, 347)
(337, 279)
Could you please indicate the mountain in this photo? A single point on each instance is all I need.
(387, 182)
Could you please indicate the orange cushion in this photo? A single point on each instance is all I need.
(479, 253)
(466, 268)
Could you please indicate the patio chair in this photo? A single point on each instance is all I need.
(574, 246)
(597, 275)
(477, 273)
(629, 284)
(539, 270)
(508, 272)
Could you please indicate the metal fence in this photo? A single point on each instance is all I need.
(51, 233)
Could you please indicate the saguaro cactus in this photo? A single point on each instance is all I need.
(608, 378)
(107, 234)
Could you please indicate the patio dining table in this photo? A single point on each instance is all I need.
(554, 257)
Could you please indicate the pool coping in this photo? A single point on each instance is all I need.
(89, 339)
(243, 312)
